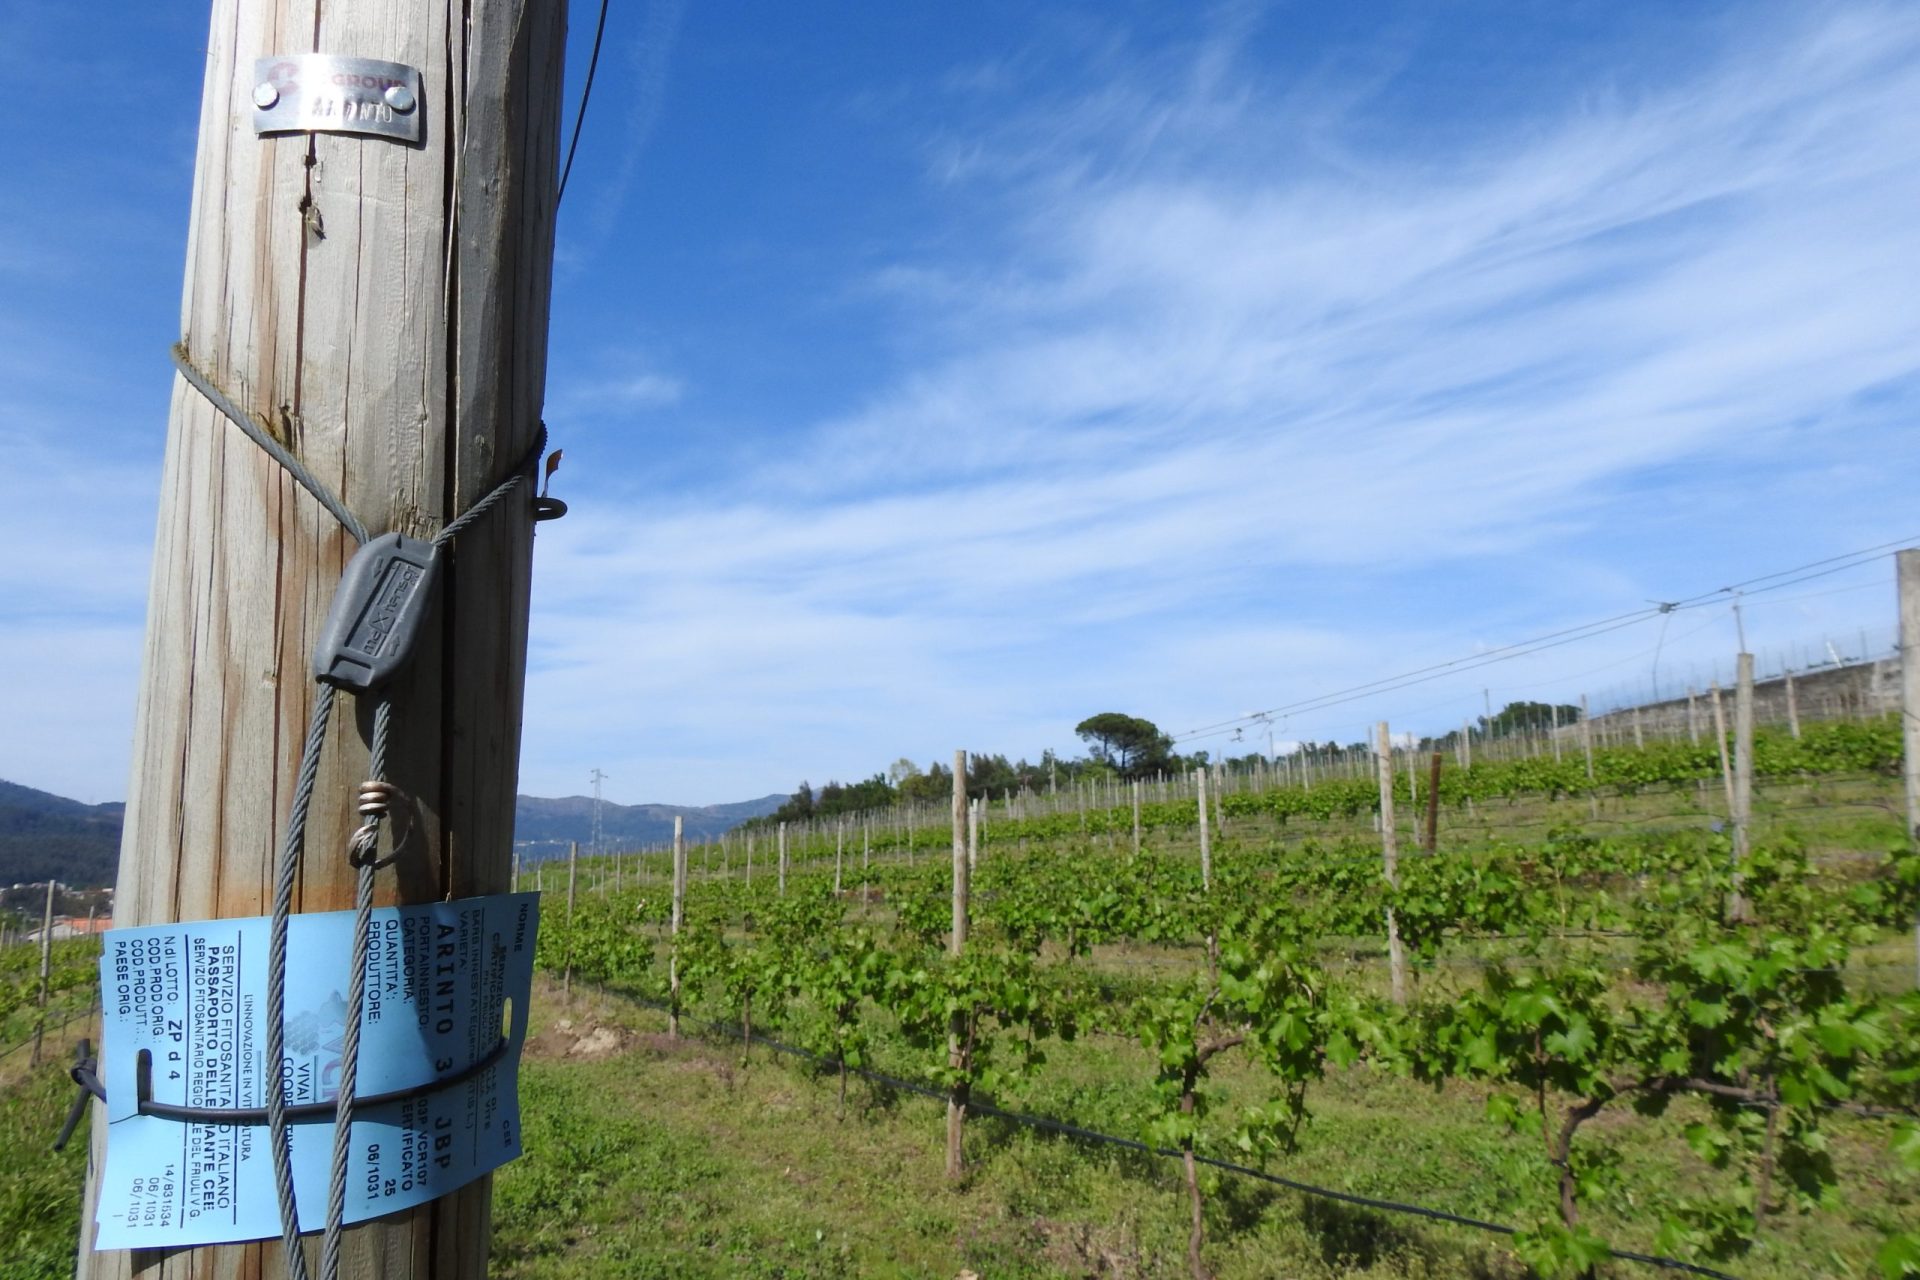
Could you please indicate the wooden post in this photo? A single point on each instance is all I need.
(1907, 569)
(1433, 804)
(383, 306)
(839, 852)
(1206, 844)
(1742, 777)
(749, 862)
(679, 908)
(573, 858)
(1793, 707)
(783, 859)
(46, 971)
(1390, 853)
(1136, 817)
(957, 1097)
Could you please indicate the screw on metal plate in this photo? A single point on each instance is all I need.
(323, 93)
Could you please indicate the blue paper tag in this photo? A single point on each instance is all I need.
(441, 981)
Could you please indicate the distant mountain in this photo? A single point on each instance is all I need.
(542, 828)
(44, 836)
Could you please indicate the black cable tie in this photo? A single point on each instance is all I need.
(252, 1116)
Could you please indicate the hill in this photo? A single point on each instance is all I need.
(43, 835)
(542, 828)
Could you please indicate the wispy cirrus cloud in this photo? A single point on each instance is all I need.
(1217, 346)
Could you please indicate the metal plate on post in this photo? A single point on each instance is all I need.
(322, 93)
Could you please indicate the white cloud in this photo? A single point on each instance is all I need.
(1203, 378)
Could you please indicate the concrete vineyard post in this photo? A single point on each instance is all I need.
(1693, 716)
(1553, 713)
(1206, 845)
(362, 296)
(1433, 804)
(1720, 737)
(1793, 707)
(573, 859)
(1390, 855)
(957, 1096)
(679, 908)
(1907, 569)
(973, 836)
(46, 971)
(1742, 776)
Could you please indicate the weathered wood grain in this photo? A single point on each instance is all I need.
(383, 307)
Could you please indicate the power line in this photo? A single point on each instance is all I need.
(586, 92)
(1554, 639)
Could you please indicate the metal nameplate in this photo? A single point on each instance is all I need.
(322, 93)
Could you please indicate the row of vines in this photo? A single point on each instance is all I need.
(1602, 978)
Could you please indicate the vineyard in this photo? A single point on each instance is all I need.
(1618, 1045)
(1615, 1007)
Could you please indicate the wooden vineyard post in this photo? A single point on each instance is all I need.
(1742, 778)
(1136, 817)
(957, 1096)
(783, 859)
(1390, 854)
(1206, 844)
(573, 858)
(1907, 570)
(383, 307)
(839, 852)
(749, 862)
(1433, 804)
(679, 908)
(46, 971)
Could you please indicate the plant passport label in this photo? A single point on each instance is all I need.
(184, 1024)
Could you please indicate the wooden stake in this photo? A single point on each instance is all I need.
(1136, 817)
(1390, 853)
(839, 851)
(957, 1055)
(783, 859)
(384, 307)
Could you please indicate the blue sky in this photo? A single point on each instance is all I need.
(937, 375)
